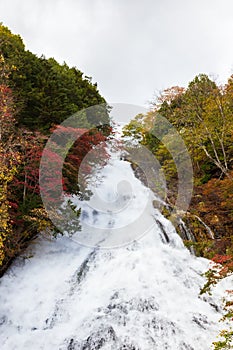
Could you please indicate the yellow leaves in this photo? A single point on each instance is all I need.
(7, 171)
(5, 177)
(9, 159)
(2, 255)
(2, 60)
(38, 217)
(5, 225)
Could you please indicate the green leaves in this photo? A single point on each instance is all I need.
(46, 92)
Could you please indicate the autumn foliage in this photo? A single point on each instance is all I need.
(26, 117)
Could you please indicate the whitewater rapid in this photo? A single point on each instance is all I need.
(125, 282)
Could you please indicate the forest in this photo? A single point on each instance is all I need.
(203, 115)
(36, 95)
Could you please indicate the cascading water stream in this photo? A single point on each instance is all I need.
(140, 293)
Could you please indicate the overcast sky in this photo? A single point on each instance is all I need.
(133, 49)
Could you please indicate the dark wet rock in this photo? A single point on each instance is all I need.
(200, 320)
(138, 304)
(184, 346)
(73, 345)
(165, 238)
(3, 319)
(98, 339)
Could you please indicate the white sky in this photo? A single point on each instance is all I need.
(131, 48)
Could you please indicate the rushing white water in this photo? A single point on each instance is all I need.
(142, 295)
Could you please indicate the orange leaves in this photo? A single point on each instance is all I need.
(223, 264)
(222, 259)
(170, 94)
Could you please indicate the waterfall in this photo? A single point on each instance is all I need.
(125, 281)
(186, 234)
(208, 229)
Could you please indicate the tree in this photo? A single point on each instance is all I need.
(9, 159)
(203, 115)
(211, 121)
(46, 92)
